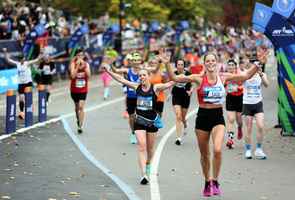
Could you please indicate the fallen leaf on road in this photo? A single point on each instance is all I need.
(5, 197)
(74, 194)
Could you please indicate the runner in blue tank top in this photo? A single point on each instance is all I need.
(132, 75)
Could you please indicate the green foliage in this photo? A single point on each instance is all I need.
(163, 10)
(87, 8)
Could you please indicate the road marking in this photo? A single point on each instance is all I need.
(123, 186)
(40, 124)
(61, 92)
(154, 185)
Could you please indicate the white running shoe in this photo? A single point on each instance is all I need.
(259, 154)
(248, 154)
(178, 141)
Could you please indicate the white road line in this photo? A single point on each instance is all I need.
(154, 185)
(56, 94)
(88, 109)
(123, 186)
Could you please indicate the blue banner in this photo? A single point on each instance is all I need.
(262, 15)
(28, 107)
(284, 7)
(279, 30)
(8, 80)
(42, 107)
(10, 113)
(78, 34)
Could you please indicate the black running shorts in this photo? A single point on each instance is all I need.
(131, 105)
(207, 119)
(252, 109)
(234, 103)
(78, 97)
(21, 87)
(181, 100)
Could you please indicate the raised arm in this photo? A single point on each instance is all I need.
(8, 59)
(264, 78)
(243, 76)
(120, 78)
(178, 78)
(88, 71)
(73, 69)
(122, 70)
(194, 78)
(31, 62)
(163, 86)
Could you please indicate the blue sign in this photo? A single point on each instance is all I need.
(262, 15)
(284, 7)
(78, 34)
(28, 108)
(42, 107)
(10, 114)
(8, 80)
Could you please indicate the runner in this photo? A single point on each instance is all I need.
(110, 58)
(146, 119)
(181, 94)
(253, 108)
(234, 104)
(24, 78)
(80, 74)
(210, 120)
(157, 77)
(132, 75)
(47, 68)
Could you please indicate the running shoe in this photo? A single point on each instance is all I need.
(148, 169)
(207, 192)
(248, 154)
(132, 138)
(259, 154)
(240, 133)
(21, 115)
(178, 141)
(144, 180)
(230, 143)
(215, 188)
(80, 130)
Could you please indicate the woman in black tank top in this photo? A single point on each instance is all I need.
(144, 126)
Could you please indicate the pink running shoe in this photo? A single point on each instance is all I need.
(240, 133)
(207, 192)
(215, 188)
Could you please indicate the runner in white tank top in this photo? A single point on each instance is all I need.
(253, 108)
(24, 78)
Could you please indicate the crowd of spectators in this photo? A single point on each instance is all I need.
(191, 42)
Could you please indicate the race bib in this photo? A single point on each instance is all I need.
(80, 83)
(46, 70)
(213, 94)
(253, 91)
(22, 75)
(180, 85)
(232, 88)
(144, 103)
